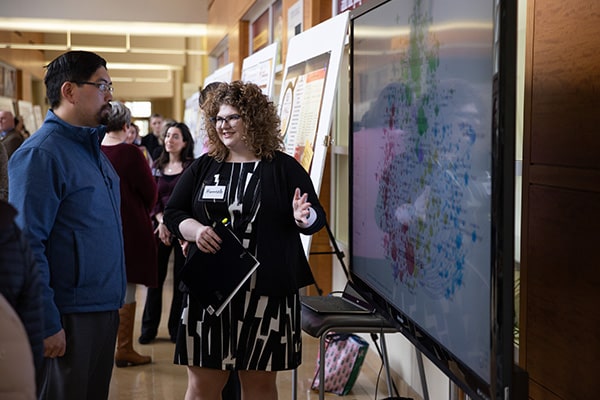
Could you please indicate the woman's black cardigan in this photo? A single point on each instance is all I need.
(283, 265)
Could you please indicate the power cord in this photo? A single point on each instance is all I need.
(378, 377)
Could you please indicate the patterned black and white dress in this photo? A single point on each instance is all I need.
(253, 332)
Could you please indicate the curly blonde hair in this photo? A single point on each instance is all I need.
(258, 113)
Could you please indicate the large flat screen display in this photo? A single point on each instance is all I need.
(424, 84)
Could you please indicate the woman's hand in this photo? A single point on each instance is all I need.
(185, 247)
(301, 207)
(163, 234)
(207, 239)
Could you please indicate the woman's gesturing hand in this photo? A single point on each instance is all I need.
(207, 239)
(301, 207)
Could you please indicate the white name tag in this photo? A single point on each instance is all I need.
(216, 192)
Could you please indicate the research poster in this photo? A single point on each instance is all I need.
(308, 90)
(223, 74)
(259, 68)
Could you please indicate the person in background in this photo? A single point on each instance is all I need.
(133, 137)
(161, 138)
(68, 198)
(138, 196)
(10, 137)
(201, 139)
(20, 126)
(269, 199)
(152, 140)
(21, 285)
(3, 173)
(176, 157)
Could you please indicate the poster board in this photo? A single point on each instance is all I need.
(26, 112)
(308, 92)
(294, 22)
(7, 104)
(37, 112)
(192, 118)
(223, 74)
(259, 68)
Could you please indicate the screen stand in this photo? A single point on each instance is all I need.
(422, 374)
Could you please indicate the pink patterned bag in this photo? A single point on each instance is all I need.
(344, 355)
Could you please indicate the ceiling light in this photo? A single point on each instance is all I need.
(105, 27)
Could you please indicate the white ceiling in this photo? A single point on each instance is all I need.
(144, 42)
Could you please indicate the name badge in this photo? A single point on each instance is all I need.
(214, 192)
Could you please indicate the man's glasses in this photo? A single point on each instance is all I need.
(230, 119)
(103, 87)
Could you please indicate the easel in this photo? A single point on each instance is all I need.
(336, 250)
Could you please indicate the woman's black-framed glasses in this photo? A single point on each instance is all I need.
(230, 119)
(103, 87)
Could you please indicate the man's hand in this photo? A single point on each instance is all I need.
(55, 345)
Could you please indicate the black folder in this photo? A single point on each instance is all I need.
(213, 279)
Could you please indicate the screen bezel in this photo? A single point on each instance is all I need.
(502, 224)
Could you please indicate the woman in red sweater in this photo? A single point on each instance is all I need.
(138, 196)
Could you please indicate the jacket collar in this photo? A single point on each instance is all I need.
(77, 133)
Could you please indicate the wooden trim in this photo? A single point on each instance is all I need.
(564, 177)
(525, 185)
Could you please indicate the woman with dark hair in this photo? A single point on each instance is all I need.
(269, 199)
(177, 155)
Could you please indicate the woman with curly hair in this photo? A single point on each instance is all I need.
(269, 200)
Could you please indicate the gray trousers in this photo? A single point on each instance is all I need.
(85, 370)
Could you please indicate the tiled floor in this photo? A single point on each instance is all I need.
(162, 380)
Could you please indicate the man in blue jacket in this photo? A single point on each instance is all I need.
(67, 195)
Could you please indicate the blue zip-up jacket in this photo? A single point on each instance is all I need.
(67, 195)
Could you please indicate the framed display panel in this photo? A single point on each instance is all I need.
(37, 113)
(307, 92)
(432, 179)
(7, 104)
(26, 112)
(223, 74)
(259, 68)
(308, 89)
